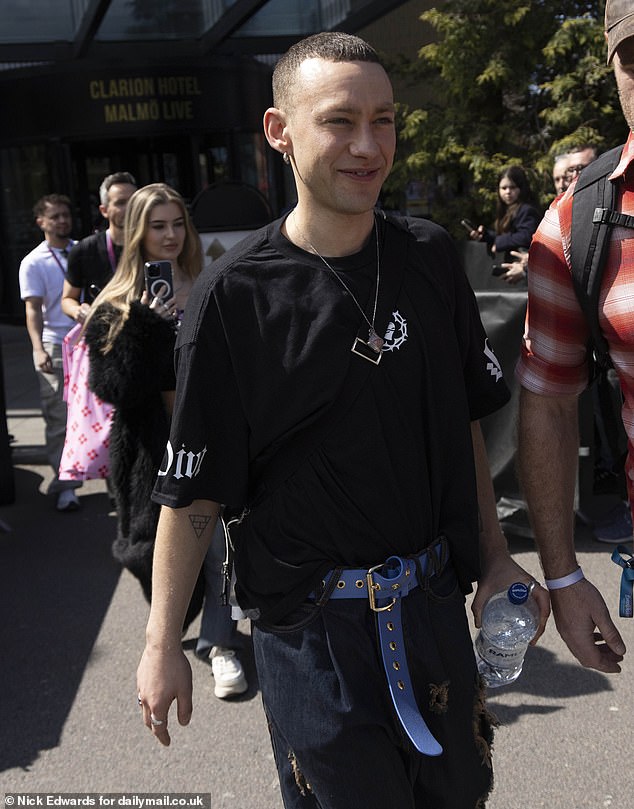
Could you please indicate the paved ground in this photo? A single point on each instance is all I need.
(71, 631)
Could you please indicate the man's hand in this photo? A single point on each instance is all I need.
(500, 574)
(162, 677)
(42, 361)
(584, 623)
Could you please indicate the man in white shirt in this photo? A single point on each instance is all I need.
(42, 274)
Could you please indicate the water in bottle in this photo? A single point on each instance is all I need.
(509, 622)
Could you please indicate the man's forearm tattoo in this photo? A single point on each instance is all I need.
(199, 523)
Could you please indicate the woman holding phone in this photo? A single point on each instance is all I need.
(516, 220)
(131, 334)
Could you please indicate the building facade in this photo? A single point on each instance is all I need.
(172, 95)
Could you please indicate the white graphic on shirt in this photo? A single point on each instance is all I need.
(396, 333)
(185, 464)
(493, 365)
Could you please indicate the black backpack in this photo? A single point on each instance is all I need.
(593, 217)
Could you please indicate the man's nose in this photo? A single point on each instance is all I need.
(365, 142)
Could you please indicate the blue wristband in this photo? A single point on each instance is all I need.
(626, 605)
(565, 581)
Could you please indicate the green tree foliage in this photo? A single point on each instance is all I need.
(506, 81)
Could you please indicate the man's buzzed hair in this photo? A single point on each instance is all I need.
(334, 46)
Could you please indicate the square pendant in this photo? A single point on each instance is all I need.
(363, 349)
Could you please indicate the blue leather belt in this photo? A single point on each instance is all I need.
(384, 586)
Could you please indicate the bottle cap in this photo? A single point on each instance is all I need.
(518, 592)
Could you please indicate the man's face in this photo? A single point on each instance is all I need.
(340, 124)
(560, 180)
(624, 74)
(577, 161)
(56, 222)
(114, 209)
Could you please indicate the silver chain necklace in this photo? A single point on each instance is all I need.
(374, 341)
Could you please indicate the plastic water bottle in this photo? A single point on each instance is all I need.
(509, 622)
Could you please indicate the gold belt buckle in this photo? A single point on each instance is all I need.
(372, 587)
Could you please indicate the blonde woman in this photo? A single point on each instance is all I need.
(131, 339)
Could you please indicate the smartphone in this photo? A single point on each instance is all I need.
(467, 225)
(498, 269)
(158, 279)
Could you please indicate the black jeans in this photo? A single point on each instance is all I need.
(337, 740)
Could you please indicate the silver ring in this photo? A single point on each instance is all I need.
(165, 306)
(138, 698)
(156, 722)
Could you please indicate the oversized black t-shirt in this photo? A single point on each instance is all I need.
(264, 351)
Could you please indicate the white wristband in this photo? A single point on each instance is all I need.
(565, 581)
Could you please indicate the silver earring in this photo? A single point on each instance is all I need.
(286, 158)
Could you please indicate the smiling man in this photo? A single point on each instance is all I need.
(332, 369)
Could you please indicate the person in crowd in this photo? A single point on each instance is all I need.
(331, 370)
(93, 260)
(517, 269)
(41, 276)
(131, 338)
(580, 157)
(553, 370)
(516, 221)
(560, 173)
(614, 525)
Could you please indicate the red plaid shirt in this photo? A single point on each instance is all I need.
(553, 358)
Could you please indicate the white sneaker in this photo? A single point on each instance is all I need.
(67, 500)
(227, 672)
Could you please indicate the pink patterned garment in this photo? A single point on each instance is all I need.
(86, 454)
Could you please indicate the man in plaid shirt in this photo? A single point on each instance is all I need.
(553, 371)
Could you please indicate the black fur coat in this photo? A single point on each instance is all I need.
(132, 377)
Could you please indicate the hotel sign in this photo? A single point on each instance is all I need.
(101, 102)
(146, 98)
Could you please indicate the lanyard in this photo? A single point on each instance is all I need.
(56, 257)
(626, 607)
(111, 253)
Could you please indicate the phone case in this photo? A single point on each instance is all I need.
(158, 279)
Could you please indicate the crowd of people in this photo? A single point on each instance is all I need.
(100, 283)
(508, 242)
(305, 383)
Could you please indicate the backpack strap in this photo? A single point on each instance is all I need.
(594, 199)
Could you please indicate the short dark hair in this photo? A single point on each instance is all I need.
(118, 178)
(39, 209)
(334, 46)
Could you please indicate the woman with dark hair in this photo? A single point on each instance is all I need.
(516, 220)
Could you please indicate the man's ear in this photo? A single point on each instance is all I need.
(276, 130)
(102, 210)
